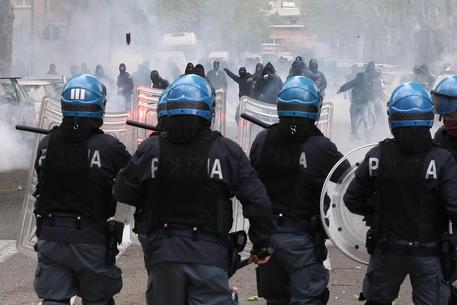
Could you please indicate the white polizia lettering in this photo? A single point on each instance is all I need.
(373, 164)
(431, 170)
(154, 167)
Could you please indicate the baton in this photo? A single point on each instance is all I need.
(32, 129)
(243, 263)
(141, 125)
(253, 120)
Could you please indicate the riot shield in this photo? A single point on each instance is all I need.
(145, 111)
(347, 231)
(219, 119)
(326, 119)
(51, 115)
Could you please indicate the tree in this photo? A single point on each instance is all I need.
(6, 36)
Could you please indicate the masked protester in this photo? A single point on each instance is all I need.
(189, 68)
(314, 68)
(245, 83)
(125, 86)
(361, 95)
(157, 81)
(217, 77)
(293, 159)
(52, 70)
(84, 69)
(76, 165)
(267, 88)
(199, 70)
(102, 77)
(188, 257)
(406, 187)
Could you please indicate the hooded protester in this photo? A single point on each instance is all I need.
(157, 81)
(189, 68)
(52, 70)
(217, 78)
(199, 70)
(245, 83)
(84, 69)
(74, 70)
(314, 68)
(100, 75)
(258, 71)
(298, 69)
(125, 85)
(268, 87)
(141, 77)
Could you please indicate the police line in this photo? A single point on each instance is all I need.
(252, 111)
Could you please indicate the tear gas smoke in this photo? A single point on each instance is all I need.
(16, 152)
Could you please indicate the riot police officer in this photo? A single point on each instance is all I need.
(293, 159)
(186, 176)
(406, 188)
(76, 165)
(445, 97)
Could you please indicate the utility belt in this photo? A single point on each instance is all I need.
(313, 226)
(71, 222)
(92, 231)
(235, 243)
(193, 233)
(288, 224)
(402, 248)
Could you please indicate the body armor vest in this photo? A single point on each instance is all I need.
(279, 170)
(65, 186)
(185, 196)
(405, 209)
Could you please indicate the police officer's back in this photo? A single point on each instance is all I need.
(407, 189)
(293, 159)
(186, 176)
(76, 165)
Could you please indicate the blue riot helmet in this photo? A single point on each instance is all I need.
(162, 105)
(445, 96)
(83, 96)
(191, 95)
(300, 98)
(410, 105)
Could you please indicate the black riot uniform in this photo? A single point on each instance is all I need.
(412, 196)
(407, 190)
(76, 165)
(185, 179)
(293, 159)
(294, 188)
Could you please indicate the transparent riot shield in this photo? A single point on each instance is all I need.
(51, 115)
(347, 231)
(326, 119)
(145, 111)
(219, 120)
